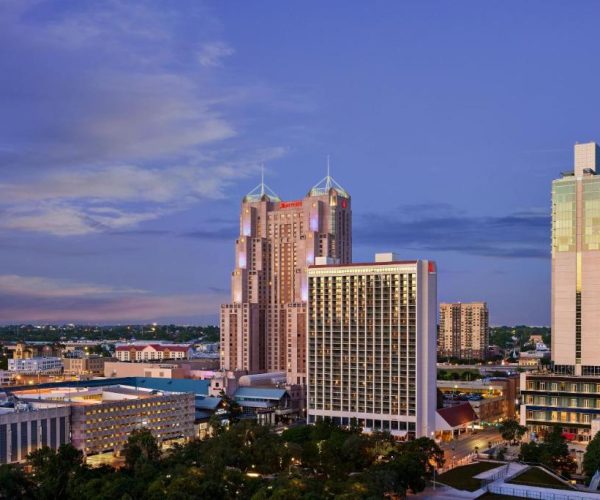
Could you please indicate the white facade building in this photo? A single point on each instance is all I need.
(372, 345)
(31, 366)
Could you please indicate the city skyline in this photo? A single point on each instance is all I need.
(128, 146)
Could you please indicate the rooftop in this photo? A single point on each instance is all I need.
(260, 393)
(86, 396)
(326, 185)
(262, 192)
(458, 415)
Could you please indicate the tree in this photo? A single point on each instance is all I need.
(14, 484)
(553, 452)
(232, 406)
(141, 449)
(511, 430)
(55, 469)
(427, 451)
(591, 459)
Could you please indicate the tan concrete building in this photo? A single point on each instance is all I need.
(196, 368)
(118, 369)
(103, 417)
(464, 330)
(263, 328)
(87, 365)
(372, 345)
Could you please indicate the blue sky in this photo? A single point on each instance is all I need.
(129, 131)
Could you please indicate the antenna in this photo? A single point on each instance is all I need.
(328, 181)
(262, 189)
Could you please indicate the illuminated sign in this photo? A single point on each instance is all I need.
(290, 204)
(344, 203)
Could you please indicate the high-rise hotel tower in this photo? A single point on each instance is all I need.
(569, 396)
(264, 326)
(372, 344)
(576, 266)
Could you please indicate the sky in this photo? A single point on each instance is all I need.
(130, 131)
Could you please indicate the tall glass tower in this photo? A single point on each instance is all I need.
(576, 266)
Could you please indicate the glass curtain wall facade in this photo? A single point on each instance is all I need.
(569, 396)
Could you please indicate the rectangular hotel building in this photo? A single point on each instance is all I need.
(372, 344)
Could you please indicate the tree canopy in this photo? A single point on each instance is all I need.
(245, 461)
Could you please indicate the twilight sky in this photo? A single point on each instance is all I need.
(129, 131)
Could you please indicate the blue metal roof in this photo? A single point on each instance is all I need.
(199, 387)
(207, 402)
(260, 393)
(201, 414)
(258, 404)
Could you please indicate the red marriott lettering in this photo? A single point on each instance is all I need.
(290, 204)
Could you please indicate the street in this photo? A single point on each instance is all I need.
(466, 444)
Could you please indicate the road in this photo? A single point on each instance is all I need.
(466, 444)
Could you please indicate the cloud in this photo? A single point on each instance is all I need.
(109, 198)
(41, 299)
(441, 228)
(124, 91)
(35, 286)
(112, 122)
(212, 54)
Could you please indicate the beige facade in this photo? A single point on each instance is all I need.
(89, 365)
(115, 369)
(263, 328)
(464, 330)
(576, 266)
(103, 417)
(371, 345)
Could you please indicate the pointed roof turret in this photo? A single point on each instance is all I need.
(262, 192)
(326, 184)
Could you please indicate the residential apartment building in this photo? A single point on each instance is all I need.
(569, 397)
(152, 352)
(372, 344)
(32, 366)
(26, 427)
(464, 330)
(264, 326)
